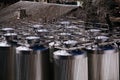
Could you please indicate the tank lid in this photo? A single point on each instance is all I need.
(62, 53)
(4, 44)
(23, 48)
(10, 34)
(56, 43)
(65, 22)
(37, 26)
(42, 30)
(72, 27)
(64, 34)
(72, 42)
(92, 47)
(103, 38)
(25, 34)
(6, 29)
(32, 37)
(78, 33)
(94, 30)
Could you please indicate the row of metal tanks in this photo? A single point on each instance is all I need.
(41, 53)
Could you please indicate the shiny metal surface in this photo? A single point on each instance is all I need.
(110, 64)
(70, 65)
(6, 61)
(93, 64)
(103, 63)
(32, 64)
(23, 61)
(10, 36)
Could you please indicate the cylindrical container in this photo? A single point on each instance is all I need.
(41, 63)
(65, 23)
(101, 38)
(24, 63)
(42, 32)
(103, 63)
(37, 26)
(52, 48)
(6, 61)
(93, 62)
(32, 40)
(109, 63)
(70, 65)
(94, 32)
(32, 63)
(7, 30)
(118, 44)
(10, 36)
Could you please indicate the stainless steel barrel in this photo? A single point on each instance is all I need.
(24, 63)
(103, 63)
(93, 63)
(10, 36)
(41, 63)
(70, 65)
(31, 40)
(109, 63)
(32, 63)
(6, 61)
(7, 30)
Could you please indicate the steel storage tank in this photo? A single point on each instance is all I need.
(93, 62)
(103, 62)
(7, 30)
(52, 48)
(109, 63)
(24, 63)
(32, 63)
(70, 65)
(42, 62)
(6, 61)
(10, 36)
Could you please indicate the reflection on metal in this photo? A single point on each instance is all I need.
(32, 64)
(103, 63)
(70, 65)
(6, 61)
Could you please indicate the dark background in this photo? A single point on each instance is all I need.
(8, 1)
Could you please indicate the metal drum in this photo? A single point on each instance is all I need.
(10, 36)
(101, 38)
(24, 64)
(65, 23)
(32, 40)
(6, 61)
(7, 30)
(94, 32)
(70, 65)
(93, 62)
(118, 44)
(103, 63)
(41, 63)
(32, 63)
(37, 26)
(109, 63)
(42, 32)
(52, 48)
